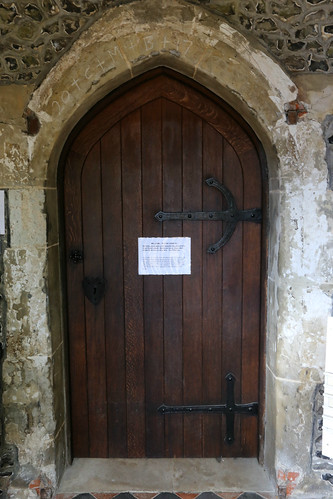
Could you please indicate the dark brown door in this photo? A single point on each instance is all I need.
(137, 342)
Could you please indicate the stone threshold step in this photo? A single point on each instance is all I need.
(168, 478)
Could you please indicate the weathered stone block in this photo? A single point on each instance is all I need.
(13, 156)
(29, 421)
(27, 218)
(27, 328)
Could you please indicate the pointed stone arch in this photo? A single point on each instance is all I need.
(199, 45)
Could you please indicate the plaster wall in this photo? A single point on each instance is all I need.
(123, 43)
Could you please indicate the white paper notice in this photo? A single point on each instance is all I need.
(164, 255)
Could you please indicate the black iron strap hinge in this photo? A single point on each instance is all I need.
(229, 409)
(232, 215)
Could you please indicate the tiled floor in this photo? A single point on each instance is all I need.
(160, 478)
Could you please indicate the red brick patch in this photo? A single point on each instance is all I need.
(294, 110)
(289, 479)
(43, 490)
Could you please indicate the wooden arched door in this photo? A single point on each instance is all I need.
(137, 342)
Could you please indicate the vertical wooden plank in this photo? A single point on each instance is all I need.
(133, 283)
(251, 303)
(153, 285)
(173, 285)
(192, 287)
(114, 303)
(75, 297)
(212, 295)
(232, 294)
(95, 335)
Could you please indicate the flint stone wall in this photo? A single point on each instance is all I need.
(36, 33)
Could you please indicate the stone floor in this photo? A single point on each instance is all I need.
(165, 479)
(167, 495)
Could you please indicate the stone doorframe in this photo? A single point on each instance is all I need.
(188, 39)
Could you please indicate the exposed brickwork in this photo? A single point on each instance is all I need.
(35, 33)
(294, 110)
(287, 481)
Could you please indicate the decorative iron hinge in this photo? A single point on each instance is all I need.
(229, 409)
(232, 215)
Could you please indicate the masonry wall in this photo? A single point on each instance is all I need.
(125, 42)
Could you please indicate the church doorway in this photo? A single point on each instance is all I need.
(164, 365)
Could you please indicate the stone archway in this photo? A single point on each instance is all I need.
(207, 50)
(112, 60)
